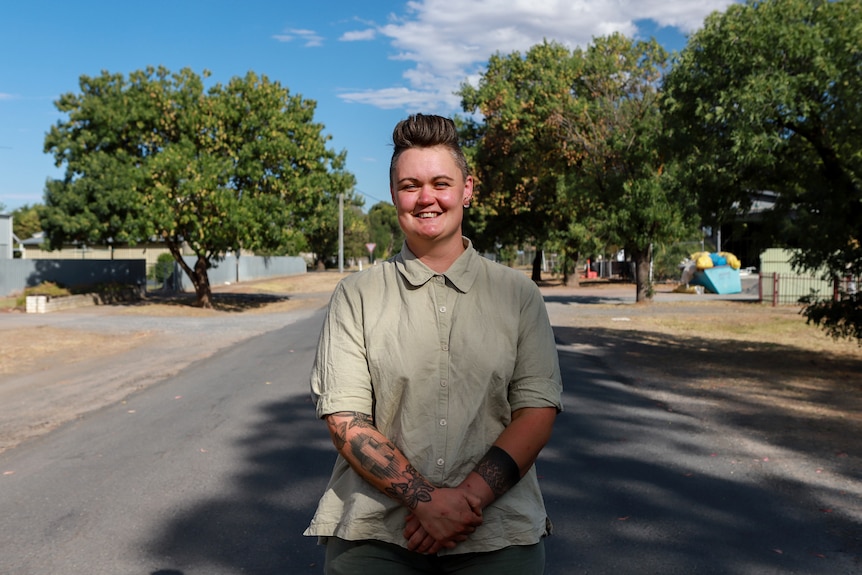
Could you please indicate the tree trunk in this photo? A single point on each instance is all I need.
(201, 281)
(198, 275)
(642, 259)
(537, 266)
(573, 279)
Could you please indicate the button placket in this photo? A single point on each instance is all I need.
(441, 294)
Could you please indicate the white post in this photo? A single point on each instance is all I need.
(340, 233)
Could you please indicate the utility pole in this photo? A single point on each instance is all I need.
(341, 233)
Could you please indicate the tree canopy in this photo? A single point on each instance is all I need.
(25, 221)
(155, 155)
(766, 96)
(570, 148)
(384, 231)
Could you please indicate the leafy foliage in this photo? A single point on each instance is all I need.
(239, 166)
(163, 269)
(384, 231)
(841, 318)
(766, 97)
(25, 221)
(570, 150)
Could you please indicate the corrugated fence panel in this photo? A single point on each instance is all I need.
(15, 275)
(250, 268)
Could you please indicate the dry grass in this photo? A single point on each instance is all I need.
(30, 348)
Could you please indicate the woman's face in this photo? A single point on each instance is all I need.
(429, 193)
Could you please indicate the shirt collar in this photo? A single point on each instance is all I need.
(462, 273)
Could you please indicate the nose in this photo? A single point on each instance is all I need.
(426, 195)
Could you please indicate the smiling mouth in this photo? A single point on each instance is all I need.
(427, 215)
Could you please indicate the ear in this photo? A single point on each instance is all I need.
(468, 190)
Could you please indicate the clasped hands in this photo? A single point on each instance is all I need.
(448, 519)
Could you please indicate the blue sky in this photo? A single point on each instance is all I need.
(366, 64)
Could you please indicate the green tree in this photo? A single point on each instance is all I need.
(321, 227)
(25, 221)
(234, 167)
(383, 230)
(515, 149)
(571, 149)
(767, 97)
(615, 124)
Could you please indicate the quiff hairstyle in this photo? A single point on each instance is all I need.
(426, 131)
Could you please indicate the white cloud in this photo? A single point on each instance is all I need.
(310, 38)
(447, 45)
(359, 35)
(400, 97)
(6, 96)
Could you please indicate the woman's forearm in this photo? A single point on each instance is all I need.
(513, 453)
(376, 459)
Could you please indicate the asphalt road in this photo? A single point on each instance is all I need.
(217, 470)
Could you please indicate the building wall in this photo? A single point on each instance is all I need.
(5, 237)
(147, 252)
(791, 285)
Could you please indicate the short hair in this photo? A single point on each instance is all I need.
(426, 131)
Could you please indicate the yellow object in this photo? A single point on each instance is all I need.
(703, 261)
(732, 260)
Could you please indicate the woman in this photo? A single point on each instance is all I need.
(437, 375)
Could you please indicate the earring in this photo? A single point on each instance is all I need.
(467, 204)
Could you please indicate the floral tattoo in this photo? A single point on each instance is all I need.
(411, 492)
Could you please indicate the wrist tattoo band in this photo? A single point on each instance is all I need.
(499, 470)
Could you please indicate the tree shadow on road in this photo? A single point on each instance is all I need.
(257, 527)
(635, 485)
(794, 398)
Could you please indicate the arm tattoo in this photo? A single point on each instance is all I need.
(339, 429)
(499, 470)
(415, 489)
(378, 458)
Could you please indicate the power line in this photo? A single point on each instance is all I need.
(369, 196)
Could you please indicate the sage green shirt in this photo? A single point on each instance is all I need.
(441, 361)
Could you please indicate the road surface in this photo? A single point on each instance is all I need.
(217, 470)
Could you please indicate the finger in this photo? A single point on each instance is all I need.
(420, 541)
(411, 528)
(427, 545)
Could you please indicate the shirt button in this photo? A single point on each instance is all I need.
(443, 422)
(440, 462)
(442, 309)
(445, 347)
(444, 383)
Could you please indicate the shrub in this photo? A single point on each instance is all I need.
(49, 289)
(163, 269)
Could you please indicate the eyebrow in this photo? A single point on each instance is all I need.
(433, 179)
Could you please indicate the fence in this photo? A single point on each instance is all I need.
(242, 269)
(15, 275)
(788, 289)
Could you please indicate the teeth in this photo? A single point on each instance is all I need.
(426, 215)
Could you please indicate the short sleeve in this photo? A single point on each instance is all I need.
(340, 380)
(536, 380)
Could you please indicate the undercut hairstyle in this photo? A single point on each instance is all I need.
(426, 131)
